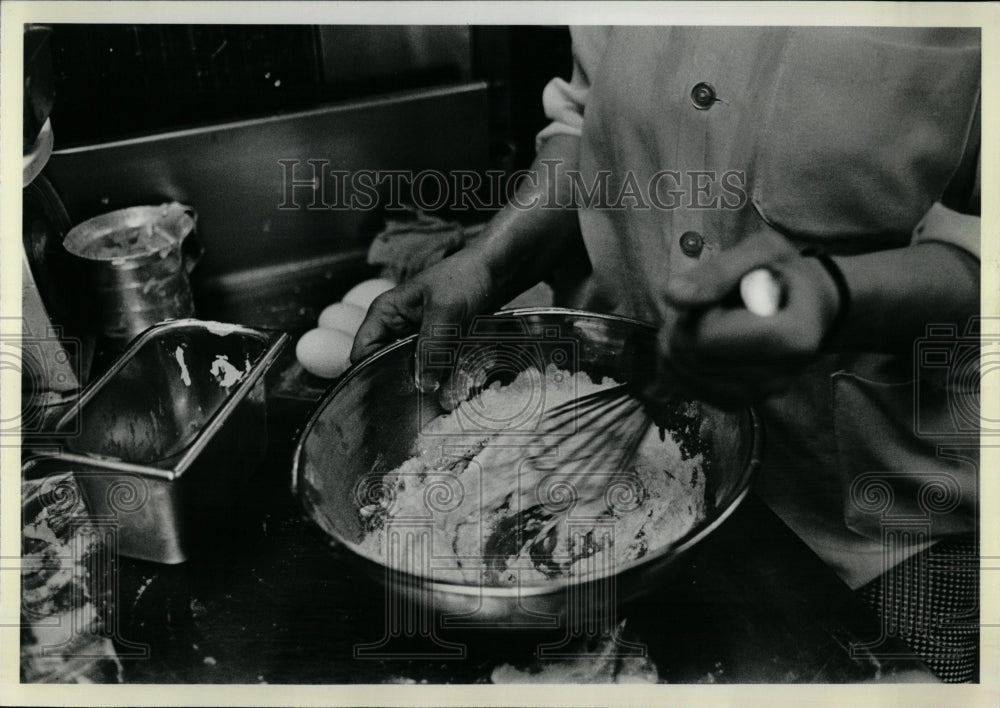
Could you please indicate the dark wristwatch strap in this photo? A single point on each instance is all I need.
(843, 291)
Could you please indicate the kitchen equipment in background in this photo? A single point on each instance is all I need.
(39, 87)
(37, 154)
(137, 262)
(367, 57)
(51, 352)
(48, 350)
(48, 361)
(369, 422)
(163, 441)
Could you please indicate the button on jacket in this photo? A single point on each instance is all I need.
(853, 139)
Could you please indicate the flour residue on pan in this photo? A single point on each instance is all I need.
(225, 373)
(477, 508)
(179, 357)
(221, 329)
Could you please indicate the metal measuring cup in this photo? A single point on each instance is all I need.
(136, 263)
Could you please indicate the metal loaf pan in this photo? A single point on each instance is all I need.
(161, 444)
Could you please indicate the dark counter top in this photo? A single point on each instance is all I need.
(274, 603)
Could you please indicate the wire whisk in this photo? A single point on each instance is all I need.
(600, 431)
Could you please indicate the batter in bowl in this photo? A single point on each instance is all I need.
(478, 503)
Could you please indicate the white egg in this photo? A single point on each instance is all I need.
(761, 292)
(324, 352)
(342, 317)
(362, 294)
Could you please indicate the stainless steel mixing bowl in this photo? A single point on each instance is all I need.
(368, 423)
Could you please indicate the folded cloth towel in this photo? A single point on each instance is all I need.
(414, 241)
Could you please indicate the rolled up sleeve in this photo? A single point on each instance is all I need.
(959, 228)
(941, 224)
(564, 101)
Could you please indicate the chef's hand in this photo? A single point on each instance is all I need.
(713, 348)
(451, 292)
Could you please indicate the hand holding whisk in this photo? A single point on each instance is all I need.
(603, 430)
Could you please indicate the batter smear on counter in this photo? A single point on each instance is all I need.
(479, 506)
